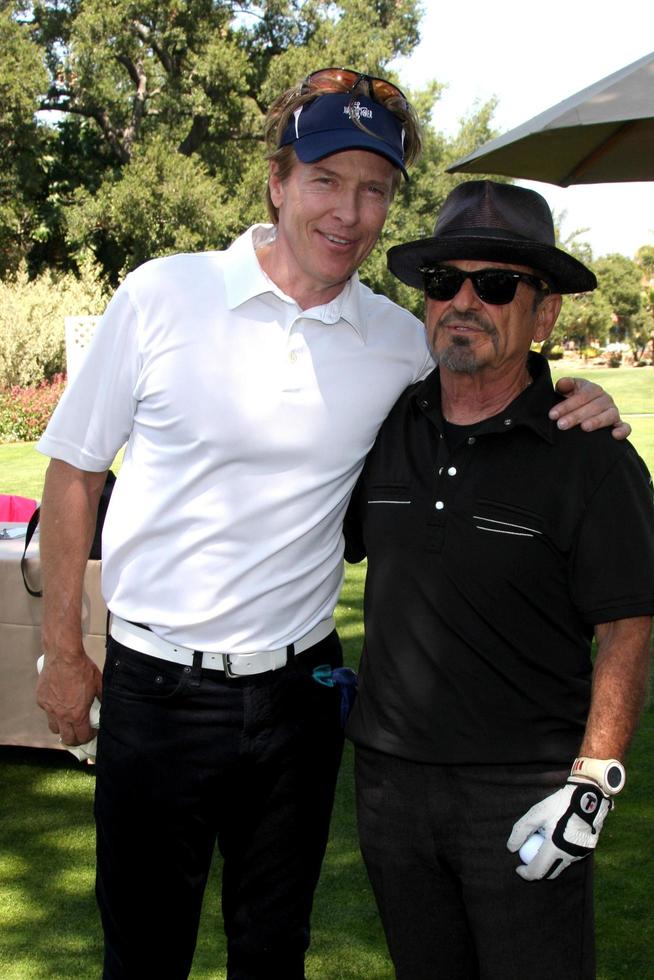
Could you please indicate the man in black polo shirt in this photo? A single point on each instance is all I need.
(497, 546)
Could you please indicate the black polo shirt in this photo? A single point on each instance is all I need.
(488, 566)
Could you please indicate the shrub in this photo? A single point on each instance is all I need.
(32, 315)
(555, 353)
(25, 412)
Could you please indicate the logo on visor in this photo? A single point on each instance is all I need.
(357, 111)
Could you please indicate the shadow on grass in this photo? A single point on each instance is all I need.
(49, 927)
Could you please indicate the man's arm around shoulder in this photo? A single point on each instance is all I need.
(588, 405)
(70, 680)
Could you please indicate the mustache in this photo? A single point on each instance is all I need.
(470, 317)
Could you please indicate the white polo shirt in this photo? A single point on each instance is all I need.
(247, 421)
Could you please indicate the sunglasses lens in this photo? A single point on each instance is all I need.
(332, 80)
(383, 90)
(443, 284)
(494, 286)
(345, 80)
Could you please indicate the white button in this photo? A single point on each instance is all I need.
(440, 470)
(471, 440)
(452, 471)
(439, 505)
(293, 356)
(508, 421)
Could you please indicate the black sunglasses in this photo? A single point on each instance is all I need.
(347, 80)
(494, 286)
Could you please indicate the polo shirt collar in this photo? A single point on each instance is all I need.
(245, 279)
(529, 409)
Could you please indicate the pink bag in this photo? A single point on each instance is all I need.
(16, 509)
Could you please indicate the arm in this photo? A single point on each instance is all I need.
(570, 820)
(70, 680)
(620, 681)
(589, 405)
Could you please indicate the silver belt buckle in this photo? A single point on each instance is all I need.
(226, 666)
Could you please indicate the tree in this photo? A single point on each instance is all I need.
(22, 76)
(645, 261)
(154, 114)
(160, 202)
(585, 318)
(619, 279)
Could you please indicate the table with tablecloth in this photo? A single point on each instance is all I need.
(22, 722)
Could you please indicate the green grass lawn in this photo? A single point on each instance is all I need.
(632, 389)
(22, 469)
(48, 922)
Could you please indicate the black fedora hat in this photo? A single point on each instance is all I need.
(486, 221)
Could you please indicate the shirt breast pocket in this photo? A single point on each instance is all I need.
(507, 521)
(387, 517)
(516, 548)
(388, 495)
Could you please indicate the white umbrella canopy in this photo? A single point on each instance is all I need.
(603, 134)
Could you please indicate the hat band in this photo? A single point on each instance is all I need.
(504, 234)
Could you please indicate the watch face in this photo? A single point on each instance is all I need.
(614, 777)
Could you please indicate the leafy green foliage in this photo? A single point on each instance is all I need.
(149, 139)
(620, 309)
(22, 77)
(620, 281)
(585, 318)
(149, 135)
(645, 260)
(160, 202)
(32, 321)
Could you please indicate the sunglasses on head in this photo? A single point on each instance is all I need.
(494, 286)
(345, 80)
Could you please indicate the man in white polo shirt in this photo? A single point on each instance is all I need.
(248, 386)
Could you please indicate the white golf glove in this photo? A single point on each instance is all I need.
(570, 820)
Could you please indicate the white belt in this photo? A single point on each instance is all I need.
(234, 664)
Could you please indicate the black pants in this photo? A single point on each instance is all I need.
(187, 757)
(434, 842)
